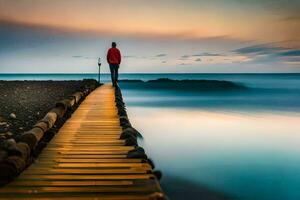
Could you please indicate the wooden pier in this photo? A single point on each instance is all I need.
(87, 159)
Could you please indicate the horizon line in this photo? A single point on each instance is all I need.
(65, 73)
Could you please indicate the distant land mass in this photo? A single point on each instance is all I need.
(181, 85)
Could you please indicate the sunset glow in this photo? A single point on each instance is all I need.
(214, 26)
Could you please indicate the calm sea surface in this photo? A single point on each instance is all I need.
(220, 144)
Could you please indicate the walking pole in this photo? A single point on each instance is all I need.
(99, 64)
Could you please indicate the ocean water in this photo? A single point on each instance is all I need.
(218, 144)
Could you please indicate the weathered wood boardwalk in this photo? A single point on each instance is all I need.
(87, 160)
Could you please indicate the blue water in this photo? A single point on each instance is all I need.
(237, 144)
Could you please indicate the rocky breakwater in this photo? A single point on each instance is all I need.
(130, 135)
(17, 152)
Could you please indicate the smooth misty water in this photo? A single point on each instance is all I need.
(222, 144)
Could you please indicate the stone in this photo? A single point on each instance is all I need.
(60, 111)
(3, 123)
(7, 172)
(127, 134)
(17, 163)
(131, 141)
(4, 127)
(150, 162)
(2, 119)
(24, 150)
(13, 116)
(50, 118)
(123, 120)
(42, 125)
(133, 131)
(138, 152)
(3, 155)
(30, 139)
(158, 196)
(157, 174)
(7, 144)
(9, 134)
(126, 125)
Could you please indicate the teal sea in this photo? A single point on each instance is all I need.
(216, 144)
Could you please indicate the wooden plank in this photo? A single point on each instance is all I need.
(89, 189)
(95, 160)
(92, 196)
(103, 141)
(75, 156)
(85, 177)
(40, 170)
(70, 183)
(68, 196)
(100, 153)
(94, 149)
(86, 137)
(98, 165)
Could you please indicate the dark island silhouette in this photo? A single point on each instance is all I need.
(181, 85)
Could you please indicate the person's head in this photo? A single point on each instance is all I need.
(113, 44)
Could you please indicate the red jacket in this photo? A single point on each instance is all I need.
(113, 56)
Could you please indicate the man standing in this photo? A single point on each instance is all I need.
(114, 59)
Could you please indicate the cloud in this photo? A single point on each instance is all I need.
(268, 50)
(289, 53)
(207, 54)
(198, 60)
(185, 56)
(266, 53)
(262, 49)
(292, 56)
(161, 55)
(129, 56)
(84, 57)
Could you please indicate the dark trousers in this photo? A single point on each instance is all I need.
(114, 73)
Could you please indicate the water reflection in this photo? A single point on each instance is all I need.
(247, 156)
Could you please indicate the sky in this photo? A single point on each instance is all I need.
(157, 36)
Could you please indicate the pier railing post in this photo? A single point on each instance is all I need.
(99, 64)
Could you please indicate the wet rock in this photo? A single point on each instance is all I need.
(150, 162)
(157, 174)
(4, 127)
(158, 196)
(127, 134)
(12, 116)
(6, 135)
(2, 136)
(4, 124)
(3, 155)
(126, 125)
(10, 146)
(30, 139)
(131, 141)
(2, 120)
(131, 131)
(138, 152)
(123, 120)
